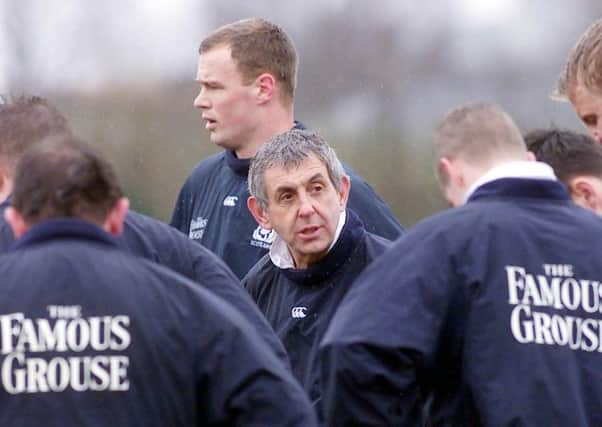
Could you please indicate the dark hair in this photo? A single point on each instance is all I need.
(258, 46)
(569, 153)
(25, 121)
(64, 177)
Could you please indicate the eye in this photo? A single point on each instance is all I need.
(286, 197)
(316, 188)
(590, 120)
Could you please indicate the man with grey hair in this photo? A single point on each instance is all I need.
(485, 315)
(581, 79)
(299, 189)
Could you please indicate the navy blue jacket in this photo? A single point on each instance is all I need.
(491, 313)
(94, 336)
(300, 303)
(212, 209)
(154, 240)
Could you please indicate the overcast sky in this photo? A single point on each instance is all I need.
(76, 44)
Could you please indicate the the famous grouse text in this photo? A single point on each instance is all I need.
(31, 352)
(555, 308)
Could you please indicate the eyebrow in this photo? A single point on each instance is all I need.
(285, 187)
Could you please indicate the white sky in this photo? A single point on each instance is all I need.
(80, 44)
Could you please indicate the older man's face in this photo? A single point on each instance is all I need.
(588, 106)
(304, 208)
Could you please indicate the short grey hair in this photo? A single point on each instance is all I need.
(480, 133)
(288, 150)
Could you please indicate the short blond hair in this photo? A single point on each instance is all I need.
(258, 46)
(583, 65)
(480, 133)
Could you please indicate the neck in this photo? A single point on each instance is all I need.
(272, 122)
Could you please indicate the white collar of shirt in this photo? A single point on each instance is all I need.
(517, 169)
(282, 258)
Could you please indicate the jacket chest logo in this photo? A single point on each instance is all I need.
(298, 312)
(263, 238)
(230, 200)
(197, 228)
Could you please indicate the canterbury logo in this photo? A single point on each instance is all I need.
(298, 312)
(230, 201)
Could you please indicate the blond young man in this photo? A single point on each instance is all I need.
(581, 79)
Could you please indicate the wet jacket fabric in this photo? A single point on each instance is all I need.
(211, 209)
(484, 315)
(92, 335)
(154, 240)
(300, 303)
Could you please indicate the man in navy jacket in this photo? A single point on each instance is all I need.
(93, 335)
(489, 314)
(247, 73)
(27, 121)
(299, 189)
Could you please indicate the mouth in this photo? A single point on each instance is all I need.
(309, 232)
(210, 124)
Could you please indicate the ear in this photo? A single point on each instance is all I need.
(344, 191)
(531, 156)
(114, 222)
(449, 169)
(258, 213)
(266, 87)
(16, 222)
(585, 194)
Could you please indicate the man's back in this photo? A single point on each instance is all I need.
(93, 336)
(494, 314)
(158, 242)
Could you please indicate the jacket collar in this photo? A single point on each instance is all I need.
(65, 228)
(241, 166)
(521, 188)
(351, 234)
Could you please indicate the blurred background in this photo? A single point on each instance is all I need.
(375, 78)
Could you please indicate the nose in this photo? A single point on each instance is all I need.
(306, 206)
(201, 101)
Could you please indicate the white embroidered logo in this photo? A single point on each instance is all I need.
(197, 228)
(298, 312)
(230, 200)
(263, 238)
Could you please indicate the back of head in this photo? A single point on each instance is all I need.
(481, 134)
(24, 122)
(289, 150)
(583, 65)
(63, 177)
(569, 153)
(258, 46)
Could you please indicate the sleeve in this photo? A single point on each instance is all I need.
(376, 215)
(242, 383)
(205, 268)
(218, 278)
(378, 353)
(180, 217)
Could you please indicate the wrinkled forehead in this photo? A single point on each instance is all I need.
(295, 173)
